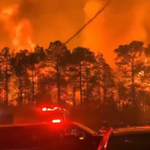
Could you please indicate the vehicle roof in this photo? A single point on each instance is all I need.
(131, 130)
(84, 127)
(31, 124)
(63, 124)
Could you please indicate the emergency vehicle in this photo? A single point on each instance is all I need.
(53, 114)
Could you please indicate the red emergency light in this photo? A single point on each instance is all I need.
(51, 109)
(56, 121)
(44, 109)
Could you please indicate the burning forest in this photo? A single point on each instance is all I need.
(75, 77)
(82, 72)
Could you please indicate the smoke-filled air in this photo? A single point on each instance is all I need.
(25, 23)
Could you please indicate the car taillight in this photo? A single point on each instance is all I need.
(56, 121)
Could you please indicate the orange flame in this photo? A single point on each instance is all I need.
(20, 33)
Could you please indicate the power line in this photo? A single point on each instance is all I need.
(58, 50)
(85, 25)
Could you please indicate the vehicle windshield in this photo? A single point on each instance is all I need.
(85, 128)
(129, 142)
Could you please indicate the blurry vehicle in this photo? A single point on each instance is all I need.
(57, 135)
(6, 117)
(131, 138)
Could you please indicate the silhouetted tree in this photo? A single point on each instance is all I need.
(5, 56)
(127, 58)
(57, 55)
(19, 64)
(34, 63)
(82, 58)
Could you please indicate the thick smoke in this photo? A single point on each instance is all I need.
(54, 20)
(121, 22)
(51, 20)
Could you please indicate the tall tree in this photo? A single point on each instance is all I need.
(57, 55)
(100, 61)
(127, 58)
(122, 90)
(34, 63)
(19, 64)
(5, 56)
(82, 59)
(108, 81)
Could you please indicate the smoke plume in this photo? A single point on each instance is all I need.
(19, 31)
(121, 22)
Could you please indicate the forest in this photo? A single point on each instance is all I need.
(77, 77)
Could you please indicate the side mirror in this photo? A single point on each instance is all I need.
(103, 130)
(74, 133)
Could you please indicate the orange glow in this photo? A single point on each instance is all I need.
(22, 35)
(8, 13)
(122, 22)
(19, 32)
(118, 24)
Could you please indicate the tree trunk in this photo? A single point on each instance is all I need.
(25, 92)
(132, 84)
(33, 86)
(104, 90)
(80, 82)
(74, 94)
(6, 83)
(38, 83)
(99, 86)
(58, 82)
(87, 89)
(20, 90)
(0, 71)
(99, 93)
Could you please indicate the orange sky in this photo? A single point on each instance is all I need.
(45, 21)
(122, 22)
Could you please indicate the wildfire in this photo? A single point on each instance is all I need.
(20, 32)
(22, 38)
